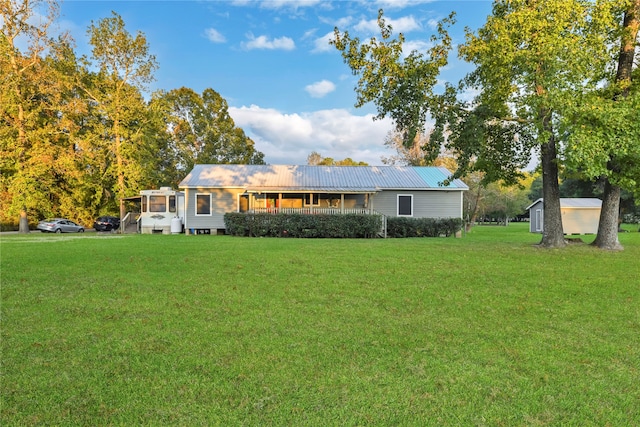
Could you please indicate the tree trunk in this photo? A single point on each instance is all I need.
(474, 212)
(552, 233)
(607, 237)
(23, 227)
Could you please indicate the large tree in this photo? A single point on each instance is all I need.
(401, 85)
(202, 131)
(125, 69)
(532, 58)
(34, 149)
(605, 129)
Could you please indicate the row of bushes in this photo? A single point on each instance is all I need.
(336, 226)
(423, 227)
(302, 225)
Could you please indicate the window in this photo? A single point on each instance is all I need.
(157, 203)
(539, 220)
(144, 203)
(405, 205)
(172, 203)
(203, 204)
(311, 200)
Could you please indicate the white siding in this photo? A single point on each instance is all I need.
(426, 204)
(222, 201)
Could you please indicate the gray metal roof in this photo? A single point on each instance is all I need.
(574, 202)
(356, 179)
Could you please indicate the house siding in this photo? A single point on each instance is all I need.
(426, 204)
(222, 201)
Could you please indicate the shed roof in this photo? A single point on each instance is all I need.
(354, 179)
(575, 202)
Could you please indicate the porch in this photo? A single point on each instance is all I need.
(306, 203)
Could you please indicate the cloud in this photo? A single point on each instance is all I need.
(214, 36)
(418, 45)
(320, 89)
(290, 138)
(263, 42)
(322, 43)
(400, 25)
(399, 4)
(278, 4)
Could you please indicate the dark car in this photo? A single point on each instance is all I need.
(106, 223)
(59, 225)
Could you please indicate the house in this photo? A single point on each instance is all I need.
(579, 215)
(213, 190)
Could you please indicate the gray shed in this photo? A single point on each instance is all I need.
(213, 190)
(579, 215)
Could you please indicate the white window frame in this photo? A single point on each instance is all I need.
(312, 197)
(539, 218)
(210, 204)
(398, 205)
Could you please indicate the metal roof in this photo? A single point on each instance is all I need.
(574, 202)
(356, 179)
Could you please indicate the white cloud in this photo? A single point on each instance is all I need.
(322, 43)
(399, 4)
(400, 25)
(432, 23)
(293, 5)
(419, 45)
(290, 138)
(320, 89)
(263, 42)
(214, 35)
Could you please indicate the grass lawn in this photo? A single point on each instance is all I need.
(217, 330)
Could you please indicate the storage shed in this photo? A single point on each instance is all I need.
(579, 215)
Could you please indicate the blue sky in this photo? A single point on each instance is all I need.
(286, 87)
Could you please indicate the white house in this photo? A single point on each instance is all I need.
(213, 190)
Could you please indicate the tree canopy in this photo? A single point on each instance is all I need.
(78, 134)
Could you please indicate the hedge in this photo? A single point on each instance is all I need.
(422, 227)
(302, 225)
(336, 226)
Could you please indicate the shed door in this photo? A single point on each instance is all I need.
(539, 219)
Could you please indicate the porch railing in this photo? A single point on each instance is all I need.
(313, 210)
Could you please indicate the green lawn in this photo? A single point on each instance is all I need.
(215, 330)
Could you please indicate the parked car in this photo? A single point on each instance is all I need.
(106, 223)
(59, 225)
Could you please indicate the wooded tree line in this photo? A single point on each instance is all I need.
(557, 78)
(79, 133)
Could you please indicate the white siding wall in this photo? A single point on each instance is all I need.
(222, 201)
(580, 220)
(426, 204)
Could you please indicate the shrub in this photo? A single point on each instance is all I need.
(422, 227)
(302, 225)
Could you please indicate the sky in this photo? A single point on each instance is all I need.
(286, 87)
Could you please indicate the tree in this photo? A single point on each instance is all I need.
(32, 143)
(605, 129)
(125, 68)
(532, 58)
(410, 155)
(316, 159)
(202, 131)
(400, 87)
